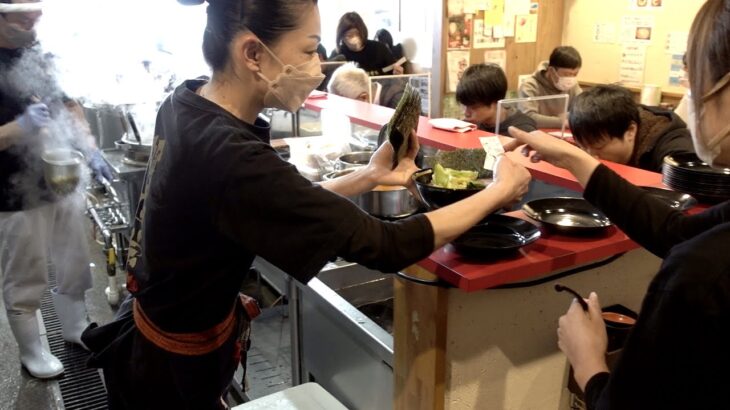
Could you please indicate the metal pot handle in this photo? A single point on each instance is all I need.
(436, 282)
(121, 144)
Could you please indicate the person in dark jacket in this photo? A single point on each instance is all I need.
(676, 356)
(554, 77)
(352, 42)
(608, 124)
(479, 91)
(384, 37)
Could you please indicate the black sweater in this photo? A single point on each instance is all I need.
(674, 138)
(219, 178)
(678, 354)
(373, 58)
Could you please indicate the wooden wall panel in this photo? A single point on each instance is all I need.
(522, 58)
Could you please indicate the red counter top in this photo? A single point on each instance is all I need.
(549, 254)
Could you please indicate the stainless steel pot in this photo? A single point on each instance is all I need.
(62, 169)
(353, 160)
(134, 152)
(388, 202)
(382, 202)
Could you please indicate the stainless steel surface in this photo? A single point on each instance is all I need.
(336, 174)
(339, 346)
(352, 160)
(129, 179)
(134, 153)
(107, 124)
(294, 332)
(62, 169)
(115, 159)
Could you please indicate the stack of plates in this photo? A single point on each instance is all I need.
(687, 173)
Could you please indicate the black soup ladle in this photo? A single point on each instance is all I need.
(561, 288)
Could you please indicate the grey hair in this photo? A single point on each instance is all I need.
(349, 81)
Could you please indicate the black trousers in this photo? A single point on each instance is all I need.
(139, 375)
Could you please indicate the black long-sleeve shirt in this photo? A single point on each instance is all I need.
(678, 354)
(217, 195)
(373, 58)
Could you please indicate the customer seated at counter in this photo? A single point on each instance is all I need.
(556, 76)
(676, 356)
(350, 82)
(608, 124)
(479, 91)
(352, 42)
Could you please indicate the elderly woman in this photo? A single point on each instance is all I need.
(677, 355)
(350, 82)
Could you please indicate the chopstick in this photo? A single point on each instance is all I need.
(561, 288)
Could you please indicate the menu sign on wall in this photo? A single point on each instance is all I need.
(633, 61)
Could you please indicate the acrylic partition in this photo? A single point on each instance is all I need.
(517, 104)
(386, 90)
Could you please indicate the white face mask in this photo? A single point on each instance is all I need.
(15, 36)
(707, 149)
(566, 83)
(293, 85)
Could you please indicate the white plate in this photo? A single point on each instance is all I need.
(452, 124)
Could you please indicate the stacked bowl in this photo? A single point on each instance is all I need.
(687, 173)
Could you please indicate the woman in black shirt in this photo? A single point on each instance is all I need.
(352, 42)
(216, 195)
(677, 354)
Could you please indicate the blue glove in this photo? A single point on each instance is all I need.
(35, 117)
(99, 167)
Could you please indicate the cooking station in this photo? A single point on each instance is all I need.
(111, 204)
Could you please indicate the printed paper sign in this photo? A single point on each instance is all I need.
(494, 149)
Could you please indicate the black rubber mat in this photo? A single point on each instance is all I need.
(81, 388)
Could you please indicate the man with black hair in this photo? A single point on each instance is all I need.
(553, 77)
(479, 91)
(608, 124)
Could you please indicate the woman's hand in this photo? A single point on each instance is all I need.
(540, 146)
(382, 161)
(582, 337)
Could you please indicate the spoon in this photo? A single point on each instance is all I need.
(561, 288)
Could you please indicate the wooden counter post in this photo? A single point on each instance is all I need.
(420, 313)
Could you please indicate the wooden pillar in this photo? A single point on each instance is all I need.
(419, 334)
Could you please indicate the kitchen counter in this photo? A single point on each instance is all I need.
(487, 338)
(549, 254)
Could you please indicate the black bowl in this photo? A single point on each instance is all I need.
(618, 331)
(496, 236)
(570, 216)
(436, 197)
(676, 200)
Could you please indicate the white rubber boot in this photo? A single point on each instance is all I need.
(34, 356)
(71, 311)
